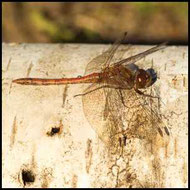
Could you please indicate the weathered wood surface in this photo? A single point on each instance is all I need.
(75, 157)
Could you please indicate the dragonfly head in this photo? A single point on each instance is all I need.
(144, 79)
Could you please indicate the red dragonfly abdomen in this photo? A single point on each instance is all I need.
(92, 78)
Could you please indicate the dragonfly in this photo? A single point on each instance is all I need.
(114, 102)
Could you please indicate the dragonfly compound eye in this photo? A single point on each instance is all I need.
(142, 79)
(152, 76)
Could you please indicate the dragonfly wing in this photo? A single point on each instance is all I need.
(139, 56)
(113, 114)
(114, 48)
(99, 63)
(132, 115)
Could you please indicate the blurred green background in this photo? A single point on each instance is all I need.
(95, 22)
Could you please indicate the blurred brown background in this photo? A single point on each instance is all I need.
(146, 22)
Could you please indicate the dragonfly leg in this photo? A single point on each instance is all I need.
(88, 92)
(147, 95)
(122, 99)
